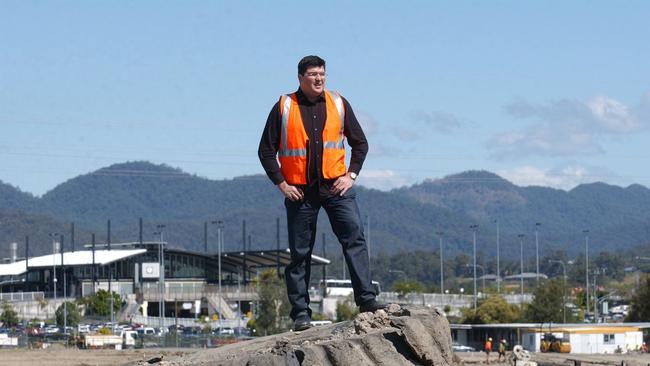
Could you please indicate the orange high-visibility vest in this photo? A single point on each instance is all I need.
(293, 140)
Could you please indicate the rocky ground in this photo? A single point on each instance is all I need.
(397, 336)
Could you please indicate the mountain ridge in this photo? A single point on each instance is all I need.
(406, 218)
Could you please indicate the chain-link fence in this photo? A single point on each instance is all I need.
(169, 340)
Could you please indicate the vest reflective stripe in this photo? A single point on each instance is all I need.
(292, 153)
(338, 102)
(286, 106)
(333, 145)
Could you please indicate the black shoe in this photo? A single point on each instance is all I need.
(372, 306)
(301, 323)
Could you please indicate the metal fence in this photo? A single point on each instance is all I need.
(196, 291)
(178, 340)
(453, 300)
(154, 321)
(22, 296)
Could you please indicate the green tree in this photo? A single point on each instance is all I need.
(640, 303)
(493, 310)
(9, 317)
(547, 303)
(274, 306)
(73, 315)
(100, 304)
(406, 287)
(346, 309)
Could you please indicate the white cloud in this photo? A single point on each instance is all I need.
(568, 127)
(543, 140)
(383, 180)
(566, 177)
(440, 121)
(612, 116)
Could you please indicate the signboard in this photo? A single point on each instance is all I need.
(187, 305)
(150, 270)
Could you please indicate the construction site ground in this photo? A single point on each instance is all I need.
(72, 356)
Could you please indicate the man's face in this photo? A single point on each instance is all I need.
(312, 82)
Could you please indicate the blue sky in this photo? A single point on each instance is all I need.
(549, 93)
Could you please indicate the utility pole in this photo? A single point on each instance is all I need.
(521, 265)
(161, 277)
(221, 234)
(277, 244)
(474, 227)
(65, 293)
(324, 277)
(586, 232)
(219, 224)
(442, 273)
(368, 244)
(498, 279)
(324, 267)
(110, 274)
(72, 236)
(54, 252)
(92, 236)
(243, 243)
(537, 224)
(595, 296)
(482, 272)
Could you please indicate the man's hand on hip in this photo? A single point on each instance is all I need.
(342, 184)
(293, 193)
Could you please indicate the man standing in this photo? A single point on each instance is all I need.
(306, 130)
(488, 350)
(502, 350)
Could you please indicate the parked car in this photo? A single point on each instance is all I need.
(52, 329)
(83, 328)
(457, 347)
(146, 331)
(176, 328)
(224, 331)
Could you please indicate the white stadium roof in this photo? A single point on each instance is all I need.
(78, 258)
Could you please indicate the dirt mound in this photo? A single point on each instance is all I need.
(397, 336)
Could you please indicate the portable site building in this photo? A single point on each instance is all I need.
(586, 339)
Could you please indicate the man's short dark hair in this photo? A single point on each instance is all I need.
(309, 61)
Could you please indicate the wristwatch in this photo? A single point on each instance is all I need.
(353, 175)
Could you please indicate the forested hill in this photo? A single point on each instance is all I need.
(12, 197)
(402, 219)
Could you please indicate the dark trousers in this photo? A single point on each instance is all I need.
(345, 219)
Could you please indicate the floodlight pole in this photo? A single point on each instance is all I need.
(54, 236)
(161, 277)
(474, 227)
(65, 292)
(586, 232)
(442, 275)
(537, 224)
(498, 279)
(219, 224)
(521, 265)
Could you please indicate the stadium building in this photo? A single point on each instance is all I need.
(195, 283)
